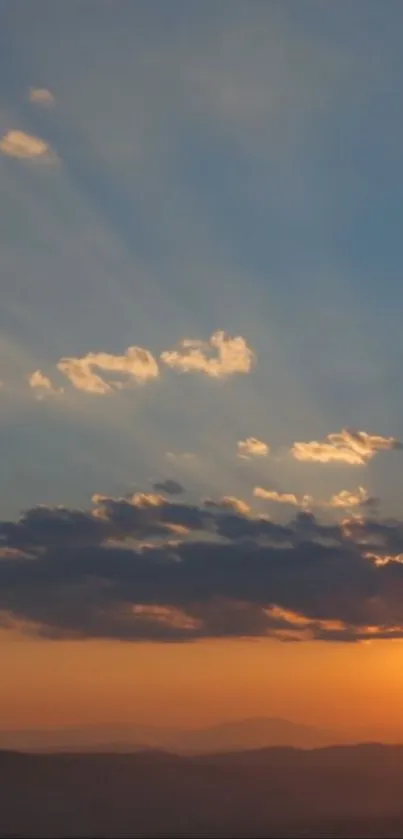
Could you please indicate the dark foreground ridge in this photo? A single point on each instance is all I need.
(341, 791)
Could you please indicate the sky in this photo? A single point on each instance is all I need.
(200, 361)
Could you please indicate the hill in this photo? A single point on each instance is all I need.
(335, 791)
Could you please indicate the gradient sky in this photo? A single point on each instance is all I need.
(230, 174)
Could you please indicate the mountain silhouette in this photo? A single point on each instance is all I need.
(253, 733)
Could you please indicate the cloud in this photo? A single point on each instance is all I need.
(229, 502)
(146, 515)
(251, 447)
(232, 355)
(283, 497)
(345, 498)
(347, 446)
(342, 500)
(24, 146)
(137, 365)
(72, 573)
(39, 381)
(384, 559)
(41, 96)
(169, 487)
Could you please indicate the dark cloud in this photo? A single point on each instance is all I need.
(68, 573)
(234, 526)
(146, 515)
(143, 516)
(169, 487)
(47, 527)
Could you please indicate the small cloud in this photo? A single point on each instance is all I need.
(136, 364)
(341, 500)
(40, 382)
(282, 497)
(169, 487)
(229, 502)
(232, 355)
(384, 559)
(146, 499)
(24, 146)
(41, 96)
(251, 447)
(347, 446)
(345, 499)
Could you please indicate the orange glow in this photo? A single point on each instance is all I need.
(336, 686)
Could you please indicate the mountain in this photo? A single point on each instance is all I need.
(351, 791)
(252, 733)
(255, 733)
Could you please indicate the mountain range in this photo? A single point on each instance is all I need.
(254, 733)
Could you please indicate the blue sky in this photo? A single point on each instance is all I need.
(209, 166)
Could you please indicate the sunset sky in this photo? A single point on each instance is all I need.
(200, 361)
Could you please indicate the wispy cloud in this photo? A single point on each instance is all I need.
(137, 365)
(346, 446)
(232, 355)
(24, 146)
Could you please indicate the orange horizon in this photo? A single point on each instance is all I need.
(332, 686)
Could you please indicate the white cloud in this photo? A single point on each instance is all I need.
(139, 499)
(232, 355)
(136, 364)
(251, 447)
(345, 498)
(40, 382)
(41, 96)
(282, 497)
(341, 500)
(353, 447)
(24, 146)
(229, 502)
